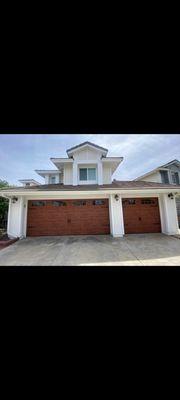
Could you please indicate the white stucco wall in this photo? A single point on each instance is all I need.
(168, 213)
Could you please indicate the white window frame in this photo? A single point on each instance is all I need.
(88, 182)
(52, 177)
(173, 177)
(173, 174)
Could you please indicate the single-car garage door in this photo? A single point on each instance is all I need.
(141, 215)
(68, 217)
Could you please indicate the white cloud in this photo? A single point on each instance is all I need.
(20, 155)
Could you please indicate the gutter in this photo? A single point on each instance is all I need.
(28, 193)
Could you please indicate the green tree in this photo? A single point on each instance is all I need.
(3, 203)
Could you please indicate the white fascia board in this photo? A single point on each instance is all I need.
(174, 162)
(43, 173)
(123, 192)
(60, 162)
(28, 180)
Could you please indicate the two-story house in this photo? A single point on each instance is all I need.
(80, 197)
(167, 173)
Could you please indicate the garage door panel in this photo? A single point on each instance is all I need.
(74, 217)
(141, 215)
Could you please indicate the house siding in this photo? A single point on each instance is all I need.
(68, 175)
(156, 177)
(107, 174)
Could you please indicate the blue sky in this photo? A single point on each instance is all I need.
(21, 154)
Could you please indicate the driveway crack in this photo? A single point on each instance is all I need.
(134, 255)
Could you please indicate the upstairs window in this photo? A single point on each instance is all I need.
(52, 179)
(87, 174)
(164, 177)
(175, 178)
(83, 174)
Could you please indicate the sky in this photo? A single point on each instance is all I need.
(21, 154)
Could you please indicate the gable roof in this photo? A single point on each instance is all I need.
(86, 144)
(170, 163)
(157, 169)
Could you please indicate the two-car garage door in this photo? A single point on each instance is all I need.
(90, 217)
(68, 217)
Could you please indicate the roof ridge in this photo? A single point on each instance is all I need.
(86, 143)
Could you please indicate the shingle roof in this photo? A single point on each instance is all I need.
(114, 185)
(83, 144)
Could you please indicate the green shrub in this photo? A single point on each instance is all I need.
(3, 203)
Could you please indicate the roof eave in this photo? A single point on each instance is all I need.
(31, 192)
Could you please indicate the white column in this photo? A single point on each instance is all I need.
(75, 173)
(46, 179)
(9, 217)
(16, 217)
(116, 216)
(100, 173)
(168, 212)
(21, 217)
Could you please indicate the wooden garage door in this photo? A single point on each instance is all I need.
(141, 215)
(68, 217)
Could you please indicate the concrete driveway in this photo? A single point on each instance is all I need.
(135, 250)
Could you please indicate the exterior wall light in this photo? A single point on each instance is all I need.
(116, 197)
(171, 196)
(14, 200)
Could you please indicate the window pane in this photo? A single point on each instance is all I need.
(83, 174)
(91, 174)
(53, 179)
(147, 201)
(177, 178)
(59, 203)
(173, 178)
(38, 203)
(98, 202)
(164, 176)
(79, 203)
(129, 202)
